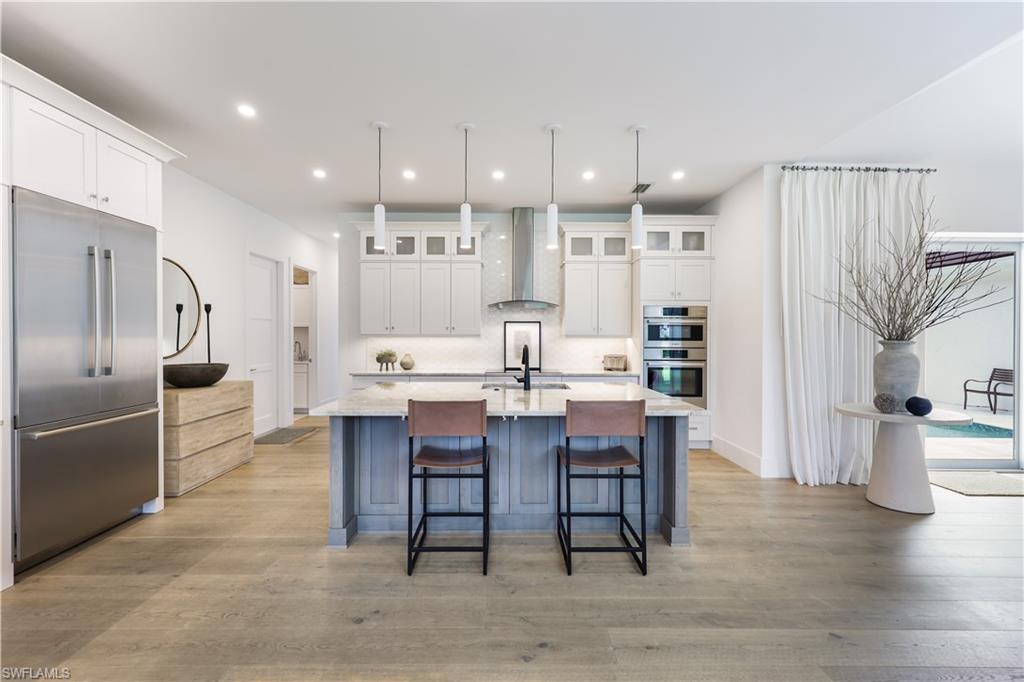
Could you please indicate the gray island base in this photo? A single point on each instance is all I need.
(370, 459)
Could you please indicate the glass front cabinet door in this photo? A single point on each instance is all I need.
(615, 246)
(368, 247)
(436, 246)
(677, 240)
(581, 246)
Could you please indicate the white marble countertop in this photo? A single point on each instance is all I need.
(493, 372)
(391, 399)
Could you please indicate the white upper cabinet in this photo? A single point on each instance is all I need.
(582, 246)
(580, 308)
(435, 298)
(57, 154)
(436, 246)
(433, 286)
(657, 280)
(677, 237)
(693, 280)
(368, 247)
(127, 180)
(615, 246)
(52, 152)
(676, 279)
(374, 298)
(614, 298)
(466, 299)
(405, 245)
(405, 298)
(597, 299)
(472, 252)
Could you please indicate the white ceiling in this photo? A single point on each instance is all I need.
(723, 89)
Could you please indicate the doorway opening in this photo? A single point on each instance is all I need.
(972, 365)
(304, 339)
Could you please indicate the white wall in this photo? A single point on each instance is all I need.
(211, 234)
(736, 313)
(482, 352)
(747, 405)
(978, 197)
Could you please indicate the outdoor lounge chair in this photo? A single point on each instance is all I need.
(999, 377)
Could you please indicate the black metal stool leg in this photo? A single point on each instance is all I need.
(568, 510)
(408, 548)
(643, 510)
(622, 501)
(487, 508)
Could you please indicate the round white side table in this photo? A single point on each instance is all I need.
(899, 474)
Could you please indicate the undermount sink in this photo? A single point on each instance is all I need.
(533, 386)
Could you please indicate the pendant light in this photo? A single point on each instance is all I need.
(379, 233)
(465, 211)
(552, 207)
(637, 212)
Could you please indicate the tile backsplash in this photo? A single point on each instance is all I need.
(485, 351)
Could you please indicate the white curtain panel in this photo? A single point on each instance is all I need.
(828, 358)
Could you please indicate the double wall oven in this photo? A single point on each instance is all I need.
(675, 351)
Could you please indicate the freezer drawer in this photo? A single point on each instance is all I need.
(77, 481)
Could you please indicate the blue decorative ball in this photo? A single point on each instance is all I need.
(918, 406)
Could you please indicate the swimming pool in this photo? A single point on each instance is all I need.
(968, 431)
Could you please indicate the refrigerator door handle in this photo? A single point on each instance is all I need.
(111, 369)
(38, 435)
(94, 367)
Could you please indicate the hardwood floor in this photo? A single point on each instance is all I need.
(782, 583)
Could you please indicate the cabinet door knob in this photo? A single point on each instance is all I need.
(91, 196)
(105, 199)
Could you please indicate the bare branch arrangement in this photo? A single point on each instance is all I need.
(899, 297)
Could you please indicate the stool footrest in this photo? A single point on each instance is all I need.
(480, 475)
(452, 548)
(477, 515)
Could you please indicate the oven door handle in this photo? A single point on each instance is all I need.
(681, 364)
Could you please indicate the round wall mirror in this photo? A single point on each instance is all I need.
(181, 309)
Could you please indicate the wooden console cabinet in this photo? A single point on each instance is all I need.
(207, 432)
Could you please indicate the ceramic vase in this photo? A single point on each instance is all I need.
(897, 371)
(407, 362)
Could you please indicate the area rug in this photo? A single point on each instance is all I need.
(979, 483)
(284, 436)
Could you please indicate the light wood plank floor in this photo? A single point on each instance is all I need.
(786, 583)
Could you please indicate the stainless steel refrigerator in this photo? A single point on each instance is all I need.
(85, 373)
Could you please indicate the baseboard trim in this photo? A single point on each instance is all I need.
(739, 456)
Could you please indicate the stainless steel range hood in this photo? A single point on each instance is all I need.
(522, 266)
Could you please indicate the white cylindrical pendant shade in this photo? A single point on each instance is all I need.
(552, 226)
(637, 221)
(465, 226)
(380, 237)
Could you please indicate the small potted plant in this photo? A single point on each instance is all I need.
(386, 359)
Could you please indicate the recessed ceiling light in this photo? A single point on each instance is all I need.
(678, 175)
(409, 174)
(319, 173)
(247, 110)
(336, 235)
(588, 175)
(498, 174)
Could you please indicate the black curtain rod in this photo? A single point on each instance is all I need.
(860, 169)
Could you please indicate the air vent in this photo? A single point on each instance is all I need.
(641, 187)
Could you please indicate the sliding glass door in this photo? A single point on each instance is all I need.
(972, 364)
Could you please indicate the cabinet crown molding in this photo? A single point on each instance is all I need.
(422, 225)
(22, 78)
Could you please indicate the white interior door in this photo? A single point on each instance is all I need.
(262, 330)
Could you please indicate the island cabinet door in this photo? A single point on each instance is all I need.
(383, 463)
(531, 463)
(442, 494)
(652, 457)
(472, 492)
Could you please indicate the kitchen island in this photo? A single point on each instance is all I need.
(369, 459)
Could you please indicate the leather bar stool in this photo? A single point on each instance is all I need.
(450, 418)
(603, 418)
